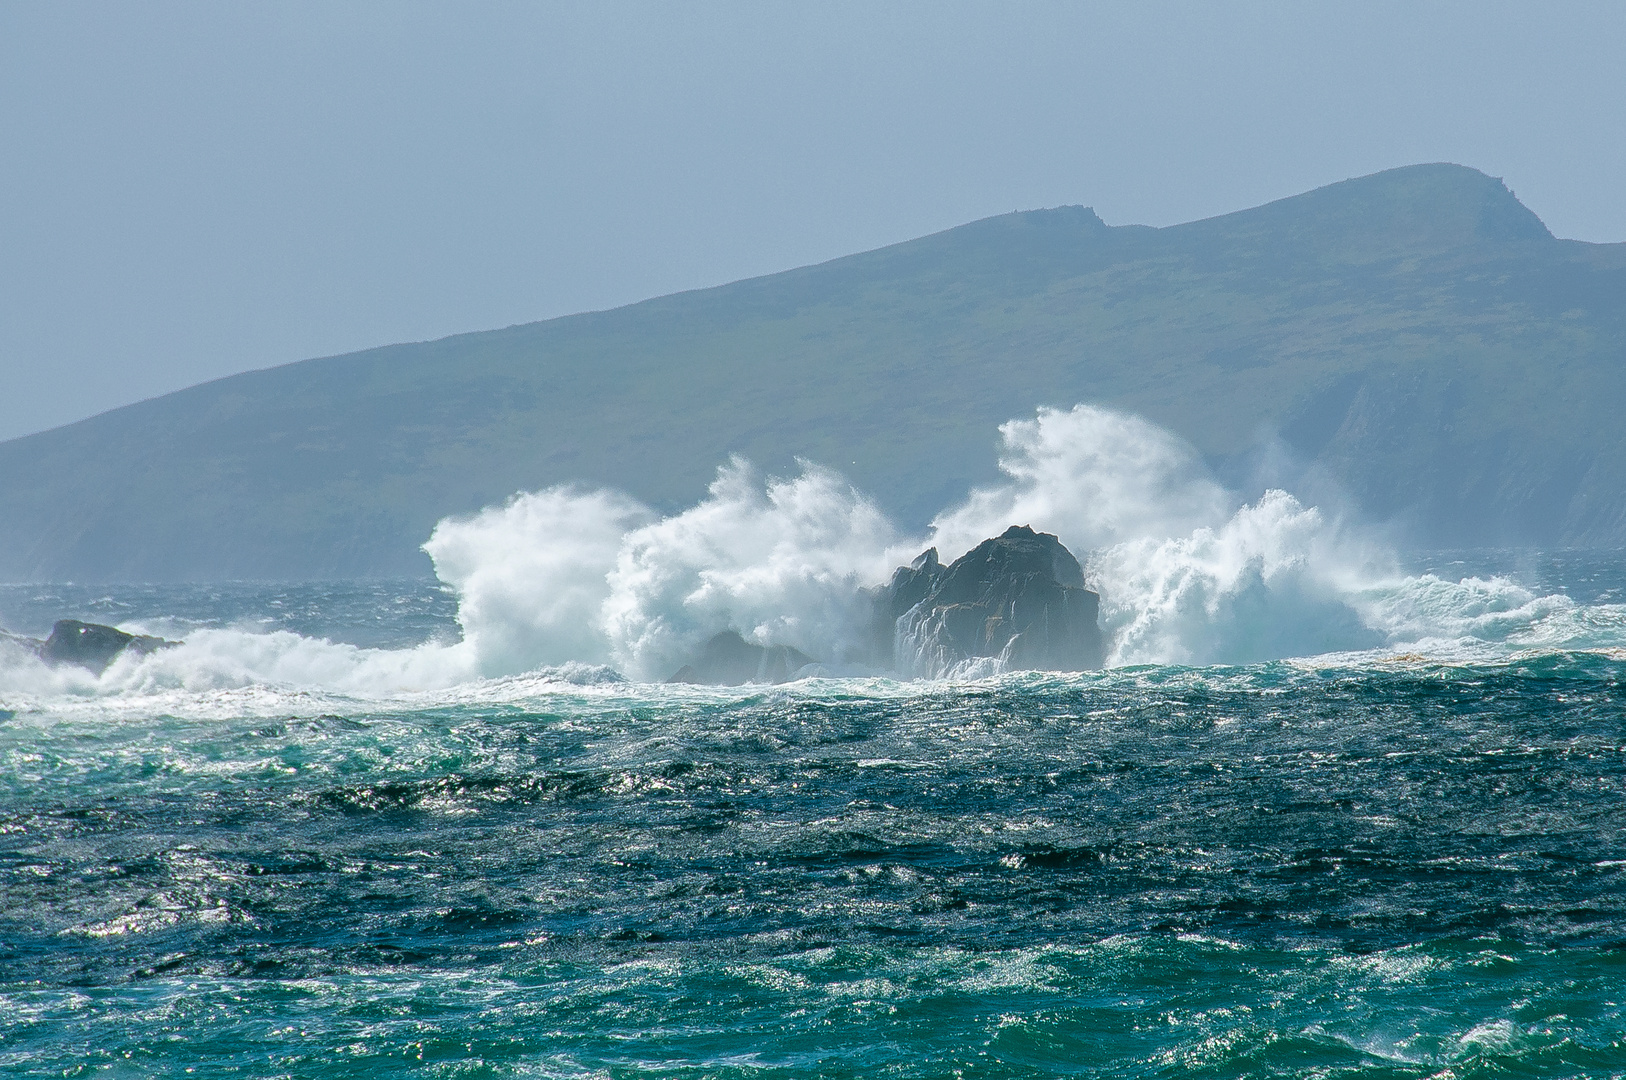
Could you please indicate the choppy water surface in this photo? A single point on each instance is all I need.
(1361, 865)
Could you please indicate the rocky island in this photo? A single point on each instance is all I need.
(91, 646)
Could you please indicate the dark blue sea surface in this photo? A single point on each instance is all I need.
(1375, 865)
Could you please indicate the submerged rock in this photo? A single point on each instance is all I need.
(1018, 598)
(91, 645)
(729, 660)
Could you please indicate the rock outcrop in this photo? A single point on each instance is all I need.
(729, 660)
(1016, 602)
(88, 645)
(1018, 599)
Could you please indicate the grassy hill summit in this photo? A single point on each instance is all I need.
(1415, 341)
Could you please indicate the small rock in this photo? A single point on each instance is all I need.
(93, 646)
(729, 660)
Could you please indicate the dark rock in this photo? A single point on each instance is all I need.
(94, 646)
(909, 586)
(1018, 598)
(729, 660)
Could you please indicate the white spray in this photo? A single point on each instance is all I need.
(1187, 574)
(531, 575)
(780, 562)
(1091, 476)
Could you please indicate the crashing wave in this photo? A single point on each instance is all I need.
(572, 579)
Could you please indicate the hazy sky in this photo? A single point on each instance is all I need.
(193, 189)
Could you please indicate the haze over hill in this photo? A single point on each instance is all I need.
(1415, 341)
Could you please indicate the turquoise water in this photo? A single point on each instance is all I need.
(1385, 864)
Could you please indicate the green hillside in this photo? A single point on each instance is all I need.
(1417, 339)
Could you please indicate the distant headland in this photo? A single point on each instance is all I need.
(1415, 342)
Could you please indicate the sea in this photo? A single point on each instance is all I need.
(308, 843)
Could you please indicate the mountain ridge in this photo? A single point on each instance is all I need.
(1416, 340)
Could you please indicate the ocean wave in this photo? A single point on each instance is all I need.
(574, 587)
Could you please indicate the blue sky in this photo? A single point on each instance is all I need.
(195, 189)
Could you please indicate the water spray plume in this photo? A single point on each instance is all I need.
(573, 581)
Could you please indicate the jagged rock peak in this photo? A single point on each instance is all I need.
(1016, 600)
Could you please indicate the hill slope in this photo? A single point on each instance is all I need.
(1416, 337)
